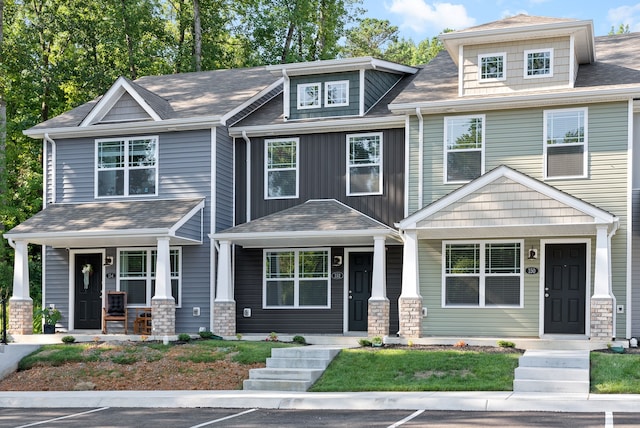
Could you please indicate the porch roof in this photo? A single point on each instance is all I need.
(113, 223)
(325, 222)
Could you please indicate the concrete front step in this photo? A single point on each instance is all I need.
(553, 371)
(276, 385)
(285, 374)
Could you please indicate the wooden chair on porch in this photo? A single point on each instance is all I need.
(115, 310)
(142, 321)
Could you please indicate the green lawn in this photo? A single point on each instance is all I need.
(615, 373)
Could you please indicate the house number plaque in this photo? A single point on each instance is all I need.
(531, 270)
(337, 275)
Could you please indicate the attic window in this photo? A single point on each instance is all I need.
(308, 95)
(538, 63)
(491, 66)
(336, 94)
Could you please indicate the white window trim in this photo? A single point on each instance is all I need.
(326, 93)
(446, 149)
(301, 88)
(267, 170)
(296, 278)
(348, 171)
(482, 274)
(127, 168)
(504, 67)
(526, 63)
(585, 158)
(149, 279)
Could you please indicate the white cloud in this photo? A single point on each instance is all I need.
(627, 15)
(422, 17)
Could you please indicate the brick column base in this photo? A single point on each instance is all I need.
(378, 318)
(163, 317)
(410, 310)
(602, 318)
(224, 318)
(20, 316)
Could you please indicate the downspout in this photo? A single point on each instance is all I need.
(616, 226)
(54, 151)
(248, 173)
(420, 157)
(286, 96)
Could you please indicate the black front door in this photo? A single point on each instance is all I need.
(565, 288)
(360, 270)
(88, 291)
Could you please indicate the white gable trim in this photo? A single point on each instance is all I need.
(251, 100)
(111, 98)
(599, 216)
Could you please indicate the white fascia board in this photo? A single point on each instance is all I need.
(90, 234)
(251, 100)
(306, 234)
(104, 130)
(589, 96)
(600, 216)
(354, 124)
(340, 65)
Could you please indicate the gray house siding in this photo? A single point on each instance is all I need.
(125, 110)
(56, 274)
(193, 228)
(323, 175)
(224, 180)
(352, 109)
(377, 83)
(635, 291)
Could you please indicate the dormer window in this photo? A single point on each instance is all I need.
(336, 94)
(308, 95)
(538, 63)
(491, 66)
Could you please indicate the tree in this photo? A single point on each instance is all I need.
(622, 29)
(371, 37)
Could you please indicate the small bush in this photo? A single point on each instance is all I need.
(364, 342)
(273, 337)
(300, 340)
(209, 335)
(184, 337)
(460, 344)
(68, 339)
(506, 344)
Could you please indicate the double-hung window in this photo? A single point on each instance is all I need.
(296, 279)
(126, 167)
(137, 274)
(463, 146)
(565, 143)
(482, 274)
(492, 66)
(538, 63)
(309, 95)
(336, 94)
(364, 164)
(281, 169)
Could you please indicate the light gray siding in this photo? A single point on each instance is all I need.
(635, 283)
(224, 180)
(193, 228)
(126, 110)
(56, 273)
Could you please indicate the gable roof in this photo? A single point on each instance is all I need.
(615, 76)
(317, 222)
(114, 223)
(505, 202)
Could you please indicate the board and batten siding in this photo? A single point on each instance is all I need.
(353, 109)
(514, 67)
(323, 160)
(515, 138)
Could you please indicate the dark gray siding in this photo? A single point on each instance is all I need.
(224, 180)
(323, 175)
(249, 289)
(377, 83)
(635, 262)
(352, 109)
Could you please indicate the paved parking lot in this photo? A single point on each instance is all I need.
(258, 418)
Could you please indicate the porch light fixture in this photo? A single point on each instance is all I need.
(108, 261)
(337, 261)
(533, 254)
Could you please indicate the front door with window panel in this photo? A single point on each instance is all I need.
(87, 278)
(360, 281)
(565, 288)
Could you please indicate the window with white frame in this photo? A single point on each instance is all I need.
(281, 169)
(137, 275)
(538, 63)
(126, 166)
(482, 274)
(565, 143)
(364, 164)
(309, 95)
(464, 154)
(492, 66)
(336, 94)
(296, 279)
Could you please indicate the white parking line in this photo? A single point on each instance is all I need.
(204, 424)
(63, 417)
(407, 419)
(608, 419)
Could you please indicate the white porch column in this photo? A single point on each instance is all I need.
(20, 303)
(163, 270)
(163, 305)
(601, 284)
(410, 301)
(379, 281)
(224, 323)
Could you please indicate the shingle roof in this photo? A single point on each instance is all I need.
(517, 21)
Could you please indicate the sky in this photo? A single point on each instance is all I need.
(421, 19)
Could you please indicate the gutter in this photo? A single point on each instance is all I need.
(248, 173)
(54, 152)
(420, 156)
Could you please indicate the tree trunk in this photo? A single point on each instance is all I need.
(197, 36)
(132, 65)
